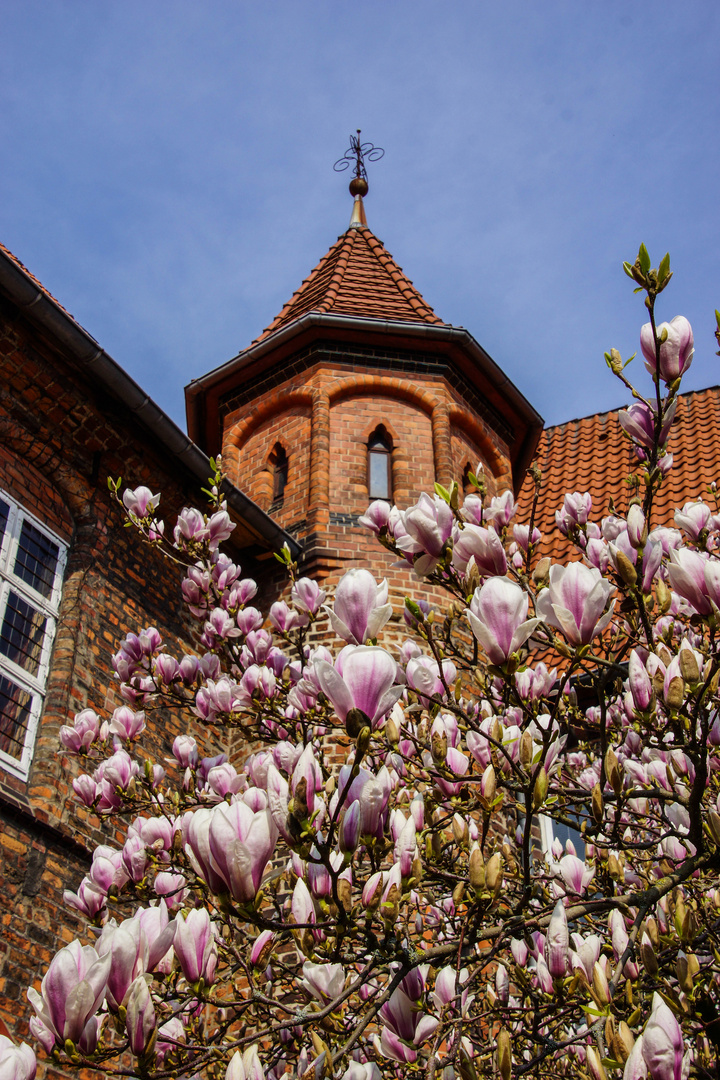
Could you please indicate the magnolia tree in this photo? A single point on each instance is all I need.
(381, 888)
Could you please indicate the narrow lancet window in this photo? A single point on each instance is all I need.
(279, 463)
(380, 464)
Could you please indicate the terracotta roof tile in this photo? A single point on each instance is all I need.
(357, 277)
(592, 454)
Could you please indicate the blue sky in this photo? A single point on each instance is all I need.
(167, 170)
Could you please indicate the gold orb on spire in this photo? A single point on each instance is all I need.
(358, 186)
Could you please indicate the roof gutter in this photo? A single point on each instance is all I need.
(46, 313)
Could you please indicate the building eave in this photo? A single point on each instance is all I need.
(435, 337)
(41, 309)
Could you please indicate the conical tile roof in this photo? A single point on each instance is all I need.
(357, 277)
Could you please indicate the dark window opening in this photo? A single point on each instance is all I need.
(467, 484)
(279, 465)
(380, 464)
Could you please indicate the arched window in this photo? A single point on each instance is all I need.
(380, 464)
(279, 467)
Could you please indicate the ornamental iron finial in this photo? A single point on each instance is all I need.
(357, 154)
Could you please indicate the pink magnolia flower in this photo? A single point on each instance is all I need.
(639, 422)
(308, 596)
(575, 874)
(686, 571)
(361, 609)
(185, 751)
(575, 602)
(140, 1020)
(501, 510)
(404, 1027)
(324, 981)
(245, 1065)
(376, 517)
(482, 545)
(83, 733)
(72, 991)
(635, 1067)
(676, 351)
(639, 682)
(90, 900)
(241, 844)
(126, 724)
(284, 619)
(575, 511)
(498, 617)
(196, 946)
(556, 942)
(16, 1062)
(140, 502)
(693, 518)
(428, 525)
(365, 682)
(663, 1042)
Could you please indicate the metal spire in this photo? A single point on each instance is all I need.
(357, 154)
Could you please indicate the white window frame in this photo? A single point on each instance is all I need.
(49, 607)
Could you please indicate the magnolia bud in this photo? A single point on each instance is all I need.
(637, 532)
(595, 1065)
(363, 740)
(626, 1039)
(714, 822)
(541, 573)
(651, 928)
(601, 989)
(526, 749)
(540, 790)
(685, 970)
(459, 829)
(689, 666)
(493, 872)
(647, 955)
(477, 869)
(438, 747)
(612, 770)
(664, 596)
(615, 867)
(597, 803)
(504, 1054)
(391, 732)
(458, 893)
(626, 570)
(488, 784)
(675, 693)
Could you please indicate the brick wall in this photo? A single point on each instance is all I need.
(323, 414)
(60, 439)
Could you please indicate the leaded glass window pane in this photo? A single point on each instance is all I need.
(22, 634)
(36, 560)
(15, 708)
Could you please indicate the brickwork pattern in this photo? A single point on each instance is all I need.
(60, 439)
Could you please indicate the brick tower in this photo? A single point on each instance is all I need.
(358, 390)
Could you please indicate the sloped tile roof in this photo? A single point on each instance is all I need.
(592, 454)
(46, 292)
(357, 277)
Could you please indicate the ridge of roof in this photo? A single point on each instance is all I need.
(357, 276)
